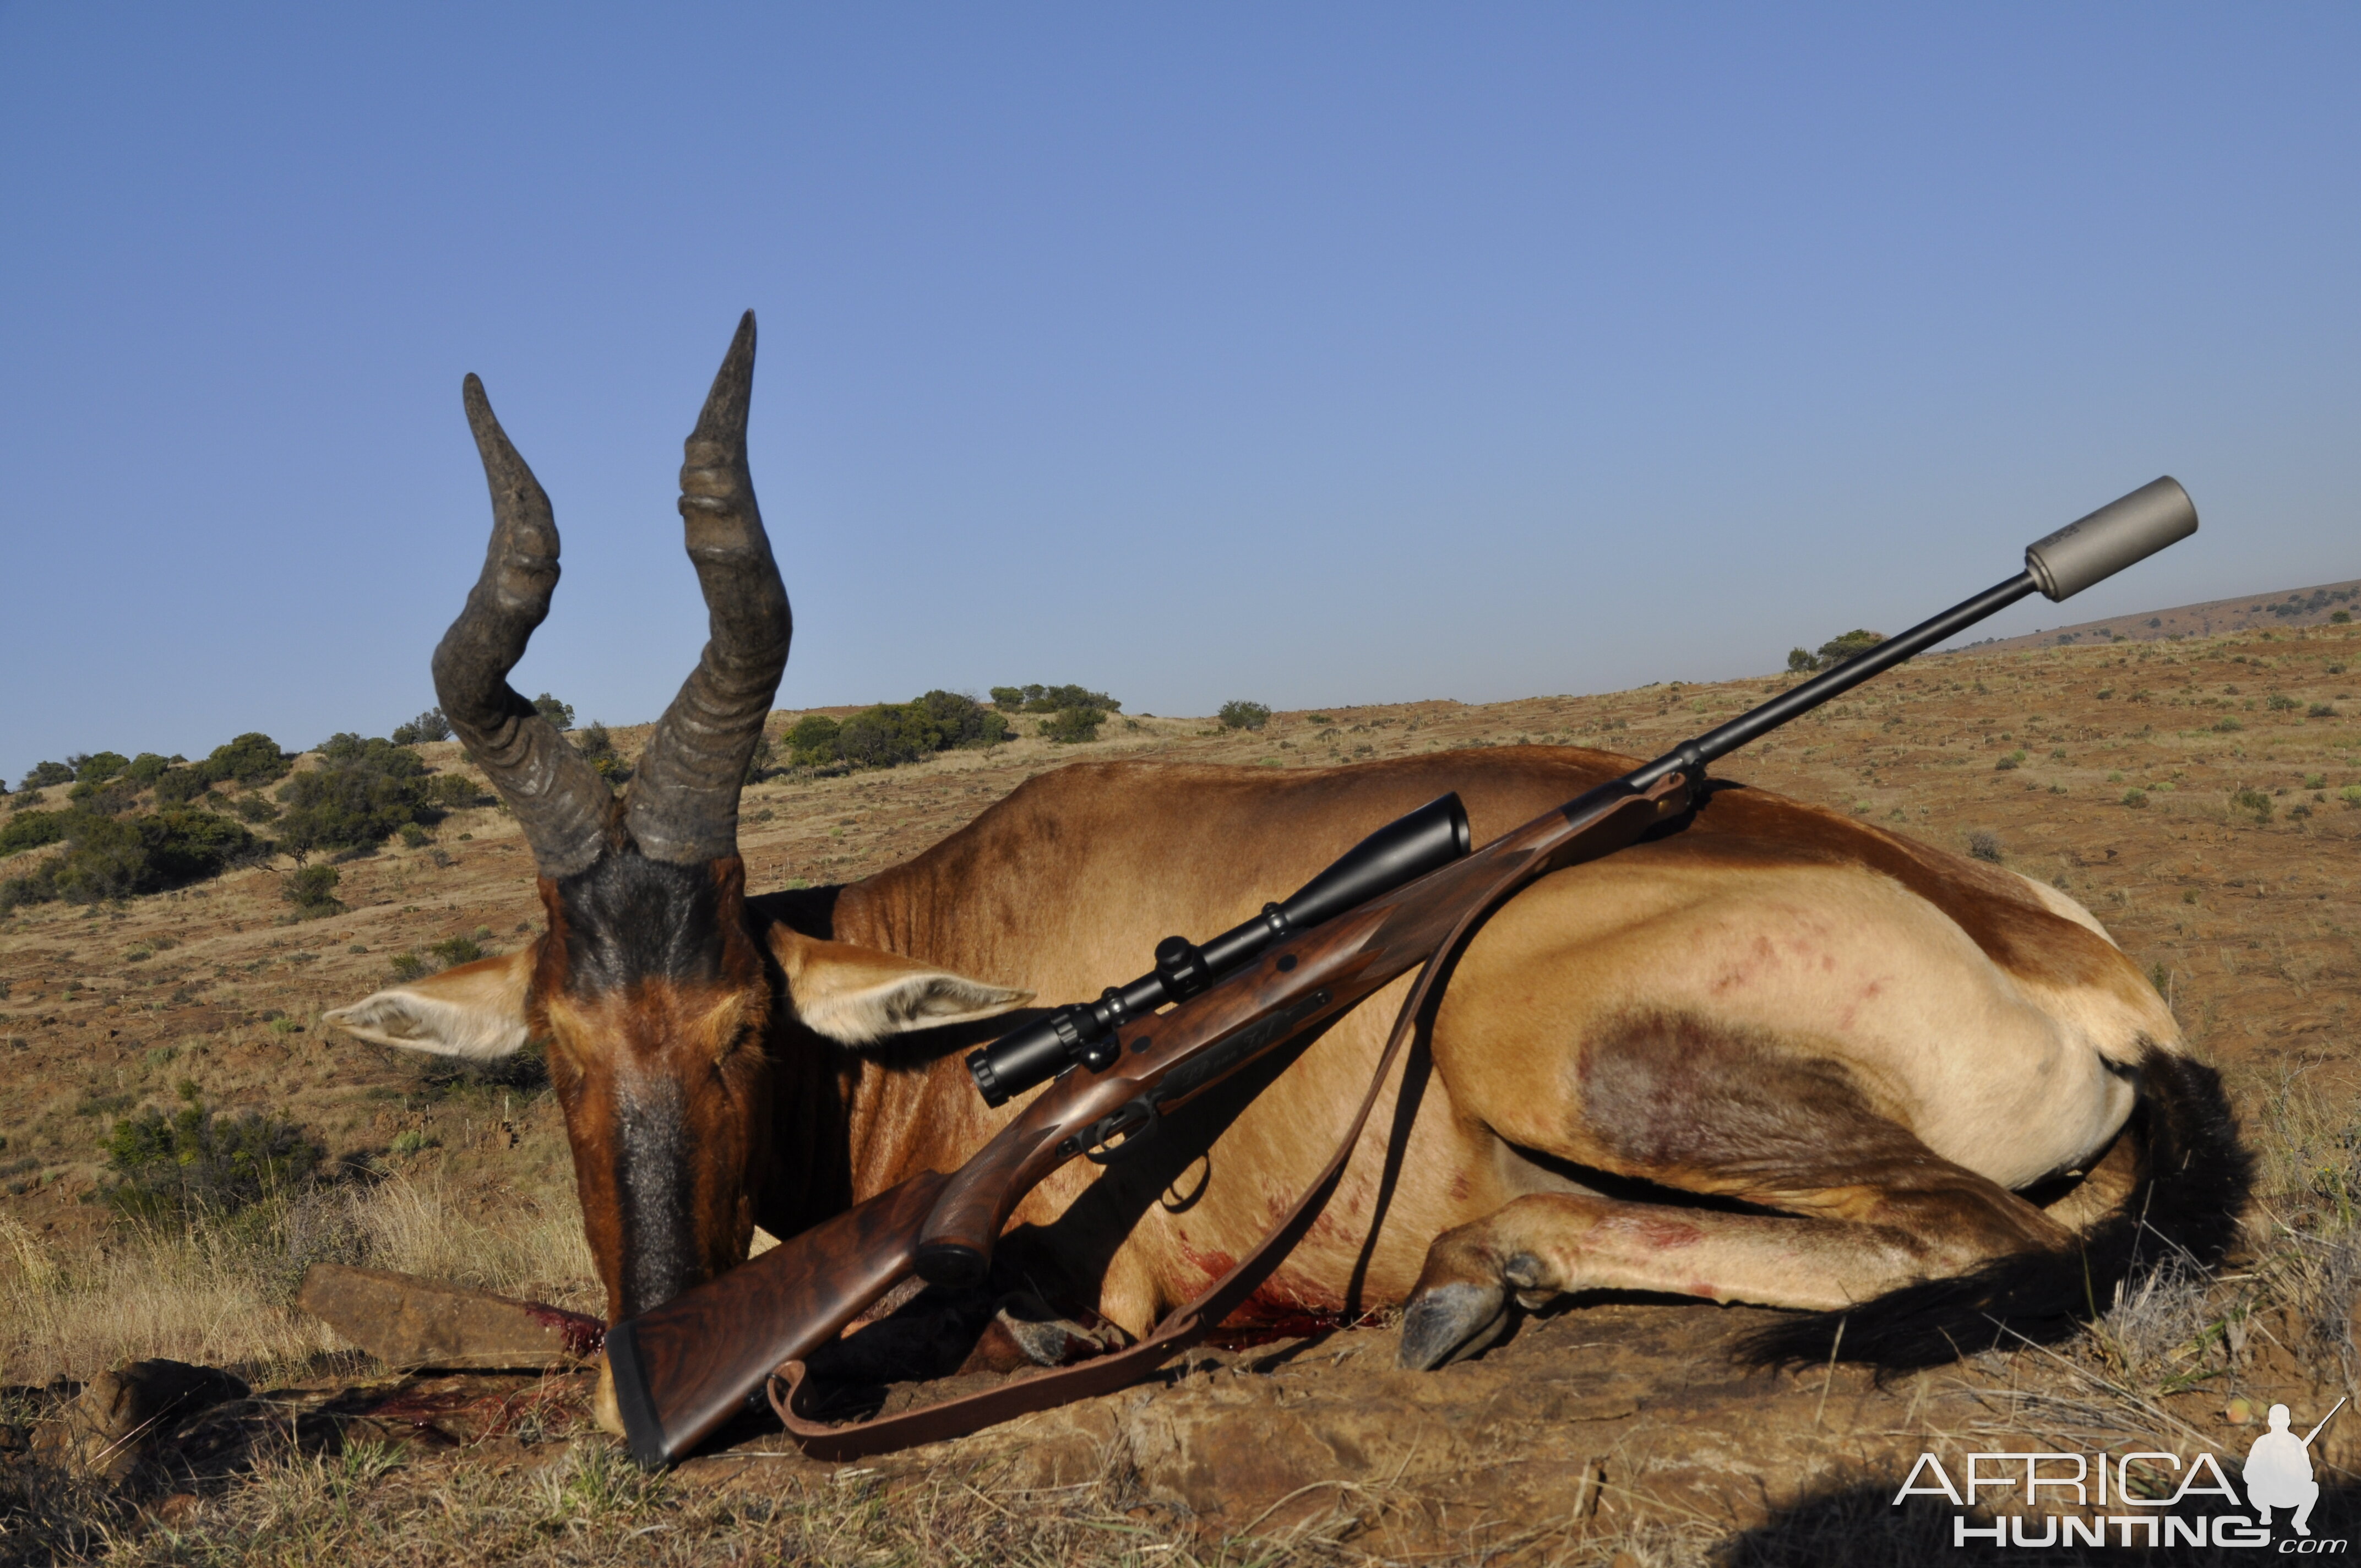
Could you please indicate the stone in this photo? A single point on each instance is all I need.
(409, 1323)
(118, 1418)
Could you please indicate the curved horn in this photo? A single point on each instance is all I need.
(684, 801)
(566, 809)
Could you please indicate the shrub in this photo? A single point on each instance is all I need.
(1985, 846)
(559, 714)
(252, 760)
(1072, 725)
(147, 767)
(2322, 710)
(414, 837)
(428, 726)
(254, 809)
(45, 774)
(456, 950)
(31, 829)
(893, 733)
(117, 857)
(363, 791)
(178, 786)
(2341, 618)
(1244, 716)
(97, 767)
(452, 792)
(2227, 725)
(1834, 652)
(2135, 798)
(196, 1160)
(2280, 702)
(2013, 760)
(2254, 801)
(1050, 699)
(812, 742)
(598, 747)
(313, 891)
(406, 966)
(2351, 795)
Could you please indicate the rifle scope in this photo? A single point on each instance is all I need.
(1083, 1033)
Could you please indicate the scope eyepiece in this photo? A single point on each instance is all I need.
(1084, 1032)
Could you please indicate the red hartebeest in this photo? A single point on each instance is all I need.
(1781, 1057)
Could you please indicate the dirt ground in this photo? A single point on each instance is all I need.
(2192, 793)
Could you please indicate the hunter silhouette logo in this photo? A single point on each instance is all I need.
(2278, 1471)
(2278, 1474)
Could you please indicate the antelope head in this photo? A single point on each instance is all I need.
(661, 1001)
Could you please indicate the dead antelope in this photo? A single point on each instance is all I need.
(1781, 1057)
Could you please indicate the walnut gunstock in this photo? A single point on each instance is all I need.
(684, 1367)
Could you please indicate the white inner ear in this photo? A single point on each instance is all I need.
(864, 1015)
(417, 1021)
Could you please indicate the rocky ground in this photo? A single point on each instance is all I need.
(2194, 793)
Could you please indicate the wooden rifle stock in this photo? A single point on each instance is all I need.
(686, 1366)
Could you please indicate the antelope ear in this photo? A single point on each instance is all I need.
(858, 996)
(475, 1011)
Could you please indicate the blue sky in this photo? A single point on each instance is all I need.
(1311, 355)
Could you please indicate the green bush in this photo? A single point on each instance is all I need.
(97, 767)
(196, 1160)
(812, 742)
(252, 760)
(414, 837)
(1050, 699)
(2280, 702)
(1985, 846)
(895, 732)
(1244, 716)
(2254, 801)
(598, 749)
(45, 774)
(456, 950)
(2322, 710)
(1068, 726)
(2136, 799)
(178, 786)
(406, 966)
(363, 791)
(117, 857)
(559, 714)
(313, 891)
(2351, 795)
(428, 726)
(31, 829)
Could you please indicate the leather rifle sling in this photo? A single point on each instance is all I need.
(1188, 1324)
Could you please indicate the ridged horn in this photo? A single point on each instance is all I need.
(564, 807)
(684, 800)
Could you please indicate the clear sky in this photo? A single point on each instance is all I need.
(1310, 354)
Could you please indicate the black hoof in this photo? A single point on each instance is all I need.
(1450, 1323)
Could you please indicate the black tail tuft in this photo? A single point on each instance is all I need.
(2192, 1186)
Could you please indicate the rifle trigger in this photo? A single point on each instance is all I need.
(1134, 1124)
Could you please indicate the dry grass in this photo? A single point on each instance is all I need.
(219, 1292)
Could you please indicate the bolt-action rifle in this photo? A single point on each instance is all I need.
(1406, 896)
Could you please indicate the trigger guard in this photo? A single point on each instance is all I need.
(1098, 1151)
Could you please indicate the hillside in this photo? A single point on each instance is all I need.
(2202, 796)
(2283, 610)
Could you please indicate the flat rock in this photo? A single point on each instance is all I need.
(407, 1322)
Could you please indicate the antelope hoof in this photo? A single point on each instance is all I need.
(1451, 1322)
